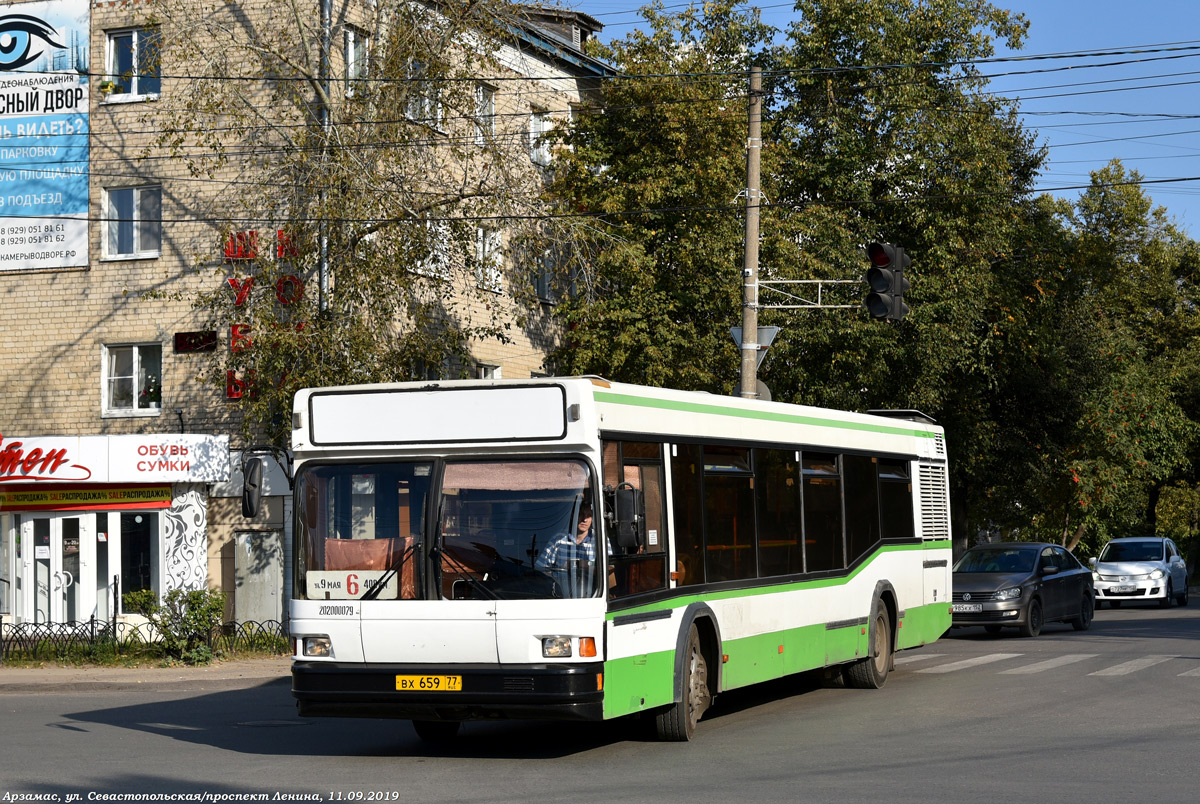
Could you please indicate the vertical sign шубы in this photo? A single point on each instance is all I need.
(44, 134)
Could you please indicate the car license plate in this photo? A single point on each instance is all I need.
(967, 608)
(429, 683)
(1122, 590)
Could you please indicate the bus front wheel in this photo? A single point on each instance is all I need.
(871, 673)
(677, 723)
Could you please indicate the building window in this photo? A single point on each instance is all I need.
(485, 113)
(424, 101)
(134, 216)
(488, 266)
(486, 372)
(133, 64)
(436, 235)
(543, 276)
(357, 53)
(132, 378)
(539, 147)
(140, 552)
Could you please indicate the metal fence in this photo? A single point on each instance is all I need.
(100, 639)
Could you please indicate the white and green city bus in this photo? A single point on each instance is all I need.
(444, 569)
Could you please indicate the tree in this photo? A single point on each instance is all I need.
(362, 215)
(658, 171)
(877, 126)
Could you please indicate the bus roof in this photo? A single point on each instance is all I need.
(576, 411)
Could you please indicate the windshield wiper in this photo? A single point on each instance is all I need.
(463, 572)
(374, 591)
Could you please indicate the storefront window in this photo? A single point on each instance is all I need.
(139, 552)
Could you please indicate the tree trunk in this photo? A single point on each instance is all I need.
(1077, 537)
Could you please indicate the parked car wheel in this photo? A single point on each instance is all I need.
(1165, 603)
(1183, 596)
(1084, 621)
(1033, 619)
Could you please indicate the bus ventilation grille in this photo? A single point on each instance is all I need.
(518, 684)
(935, 503)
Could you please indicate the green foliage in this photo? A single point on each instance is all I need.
(185, 622)
(388, 178)
(1056, 342)
(139, 601)
(654, 305)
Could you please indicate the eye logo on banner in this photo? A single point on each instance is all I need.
(18, 40)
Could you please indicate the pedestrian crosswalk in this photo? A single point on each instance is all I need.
(1013, 664)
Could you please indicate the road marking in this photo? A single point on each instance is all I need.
(1049, 664)
(965, 663)
(1195, 672)
(1125, 668)
(918, 657)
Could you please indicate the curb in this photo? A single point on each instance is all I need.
(227, 675)
(182, 685)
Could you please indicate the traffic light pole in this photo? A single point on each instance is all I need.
(749, 347)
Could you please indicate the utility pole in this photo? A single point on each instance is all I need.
(749, 346)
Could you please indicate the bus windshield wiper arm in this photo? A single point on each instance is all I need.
(373, 592)
(464, 572)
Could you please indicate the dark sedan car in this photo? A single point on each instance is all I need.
(1021, 585)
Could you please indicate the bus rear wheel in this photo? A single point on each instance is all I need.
(871, 673)
(677, 723)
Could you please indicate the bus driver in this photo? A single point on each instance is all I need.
(570, 557)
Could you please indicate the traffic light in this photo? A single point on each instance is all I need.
(886, 279)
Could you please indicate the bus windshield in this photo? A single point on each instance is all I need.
(517, 529)
(511, 529)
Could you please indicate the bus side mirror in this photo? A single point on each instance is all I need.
(252, 477)
(629, 517)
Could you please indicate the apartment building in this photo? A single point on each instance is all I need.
(119, 465)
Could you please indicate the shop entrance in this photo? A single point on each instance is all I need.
(60, 567)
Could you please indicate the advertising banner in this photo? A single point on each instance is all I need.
(51, 498)
(166, 458)
(44, 135)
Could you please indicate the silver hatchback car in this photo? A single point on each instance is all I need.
(1140, 569)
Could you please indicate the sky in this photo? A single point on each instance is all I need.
(1143, 108)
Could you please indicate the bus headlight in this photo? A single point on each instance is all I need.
(318, 646)
(556, 647)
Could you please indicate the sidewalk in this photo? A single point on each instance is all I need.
(234, 674)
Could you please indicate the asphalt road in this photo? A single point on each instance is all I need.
(1105, 715)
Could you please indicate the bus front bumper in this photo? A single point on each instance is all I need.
(535, 692)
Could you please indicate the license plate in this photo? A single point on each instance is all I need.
(429, 683)
(1121, 590)
(967, 608)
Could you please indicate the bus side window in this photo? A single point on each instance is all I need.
(639, 465)
(687, 491)
(823, 540)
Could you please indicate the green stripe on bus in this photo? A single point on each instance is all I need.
(764, 415)
(645, 682)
